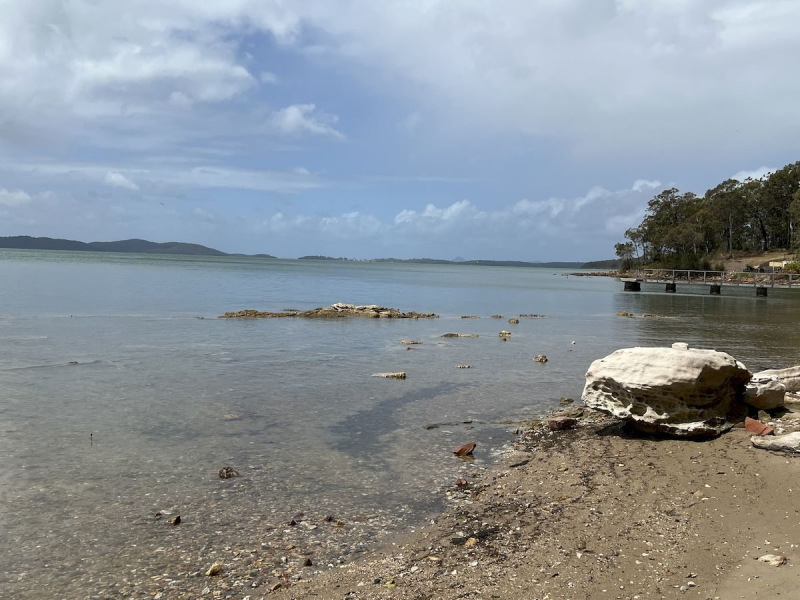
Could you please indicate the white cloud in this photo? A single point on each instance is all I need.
(753, 174)
(119, 180)
(527, 208)
(200, 177)
(13, 199)
(351, 224)
(643, 184)
(299, 119)
(604, 75)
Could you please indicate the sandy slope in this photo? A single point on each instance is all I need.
(596, 513)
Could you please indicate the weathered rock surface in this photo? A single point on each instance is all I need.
(334, 311)
(391, 375)
(561, 423)
(685, 393)
(764, 392)
(780, 443)
(789, 377)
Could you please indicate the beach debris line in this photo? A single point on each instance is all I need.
(334, 311)
(391, 375)
(228, 472)
(465, 450)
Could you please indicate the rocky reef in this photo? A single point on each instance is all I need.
(335, 311)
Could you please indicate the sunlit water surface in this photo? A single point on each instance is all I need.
(122, 394)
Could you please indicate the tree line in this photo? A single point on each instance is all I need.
(687, 231)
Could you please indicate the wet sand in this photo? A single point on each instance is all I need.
(594, 513)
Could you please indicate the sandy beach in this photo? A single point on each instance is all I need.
(597, 512)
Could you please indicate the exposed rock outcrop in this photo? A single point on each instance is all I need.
(764, 392)
(334, 311)
(391, 375)
(789, 377)
(685, 393)
(781, 443)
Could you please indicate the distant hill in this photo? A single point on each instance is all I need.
(460, 261)
(25, 242)
(145, 247)
(611, 264)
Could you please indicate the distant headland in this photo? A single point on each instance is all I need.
(26, 242)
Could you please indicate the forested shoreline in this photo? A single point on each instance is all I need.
(682, 230)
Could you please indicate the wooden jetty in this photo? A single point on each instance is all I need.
(714, 280)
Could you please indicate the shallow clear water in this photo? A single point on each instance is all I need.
(122, 394)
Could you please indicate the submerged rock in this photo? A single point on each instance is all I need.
(685, 393)
(228, 472)
(334, 311)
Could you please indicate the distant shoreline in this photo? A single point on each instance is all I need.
(139, 246)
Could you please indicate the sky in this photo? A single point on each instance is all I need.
(529, 130)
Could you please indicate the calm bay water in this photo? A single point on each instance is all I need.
(122, 394)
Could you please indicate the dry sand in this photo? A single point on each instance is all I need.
(593, 513)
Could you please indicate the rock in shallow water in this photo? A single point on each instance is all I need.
(685, 393)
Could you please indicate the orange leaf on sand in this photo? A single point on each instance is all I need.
(465, 450)
(757, 427)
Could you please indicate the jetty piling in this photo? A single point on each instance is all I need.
(714, 280)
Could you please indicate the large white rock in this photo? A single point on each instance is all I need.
(682, 392)
(764, 392)
(789, 377)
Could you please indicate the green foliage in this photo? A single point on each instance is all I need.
(792, 267)
(682, 230)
